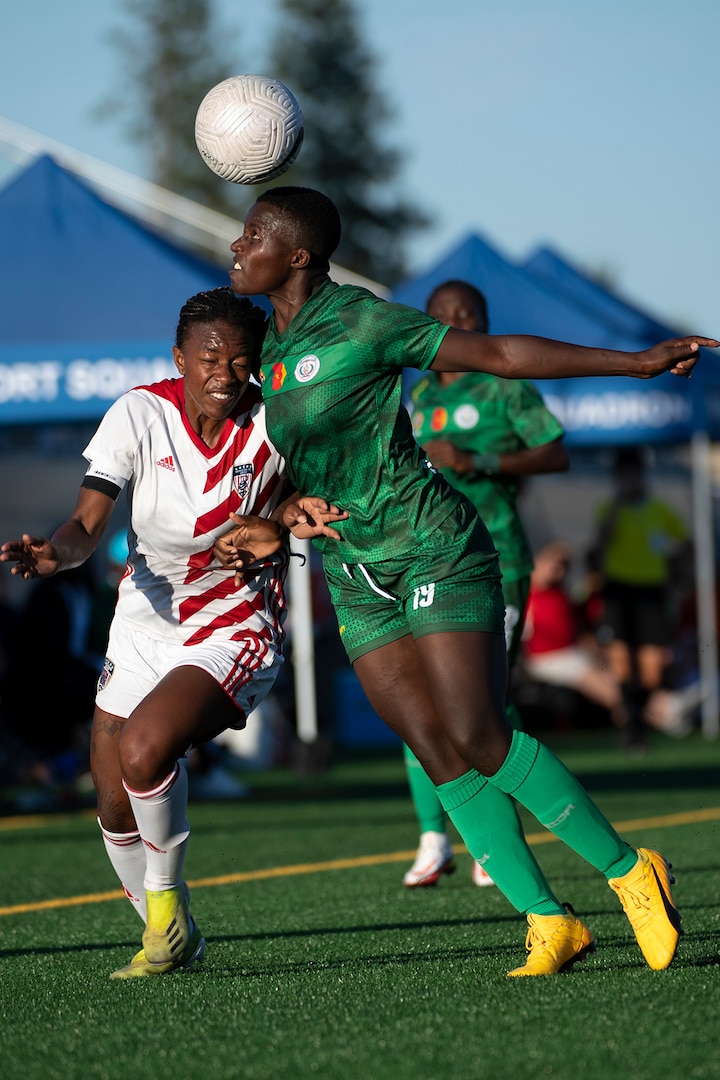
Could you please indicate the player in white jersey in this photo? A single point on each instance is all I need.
(191, 649)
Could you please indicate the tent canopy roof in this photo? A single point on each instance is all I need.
(75, 268)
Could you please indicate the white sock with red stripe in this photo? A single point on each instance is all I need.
(126, 852)
(161, 816)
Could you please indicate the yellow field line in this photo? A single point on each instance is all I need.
(664, 821)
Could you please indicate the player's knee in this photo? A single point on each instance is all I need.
(144, 763)
(484, 749)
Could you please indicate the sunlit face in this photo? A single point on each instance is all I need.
(455, 307)
(216, 362)
(263, 253)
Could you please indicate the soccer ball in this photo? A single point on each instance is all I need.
(249, 129)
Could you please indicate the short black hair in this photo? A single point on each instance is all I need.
(315, 218)
(478, 298)
(222, 304)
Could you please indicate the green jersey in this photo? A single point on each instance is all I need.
(332, 388)
(483, 414)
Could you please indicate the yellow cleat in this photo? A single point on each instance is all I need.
(555, 943)
(139, 966)
(169, 925)
(648, 903)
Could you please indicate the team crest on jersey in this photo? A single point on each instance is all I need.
(439, 419)
(307, 368)
(106, 673)
(242, 479)
(466, 416)
(279, 372)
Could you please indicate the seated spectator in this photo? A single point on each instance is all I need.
(552, 651)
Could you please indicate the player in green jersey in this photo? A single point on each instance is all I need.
(415, 579)
(483, 433)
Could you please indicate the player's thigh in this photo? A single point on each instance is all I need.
(468, 674)
(113, 804)
(396, 685)
(187, 706)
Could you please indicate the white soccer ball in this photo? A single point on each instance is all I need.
(249, 129)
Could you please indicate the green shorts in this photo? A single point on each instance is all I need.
(438, 587)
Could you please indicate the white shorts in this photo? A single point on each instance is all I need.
(563, 667)
(135, 663)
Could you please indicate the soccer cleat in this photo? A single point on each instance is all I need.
(555, 943)
(434, 858)
(480, 875)
(140, 966)
(648, 903)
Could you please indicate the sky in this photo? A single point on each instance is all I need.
(589, 127)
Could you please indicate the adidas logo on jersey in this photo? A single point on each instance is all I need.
(166, 463)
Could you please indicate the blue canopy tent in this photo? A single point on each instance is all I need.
(550, 267)
(90, 298)
(549, 298)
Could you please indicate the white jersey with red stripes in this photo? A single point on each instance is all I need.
(181, 493)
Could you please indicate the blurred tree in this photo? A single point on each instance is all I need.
(172, 53)
(319, 54)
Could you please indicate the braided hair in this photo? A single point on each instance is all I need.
(222, 304)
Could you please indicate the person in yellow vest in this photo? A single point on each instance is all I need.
(638, 538)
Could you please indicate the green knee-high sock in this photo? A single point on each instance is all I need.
(539, 781)
(492, 832)
(428, 808)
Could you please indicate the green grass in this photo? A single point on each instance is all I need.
(342, 973)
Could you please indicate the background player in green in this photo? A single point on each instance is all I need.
(483, 433)
(414, 578)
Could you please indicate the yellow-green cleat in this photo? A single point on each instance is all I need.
(139, 965)
(647, 900)
(555, 943)
(171, 940)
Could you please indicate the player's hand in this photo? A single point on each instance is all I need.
(34, 556)
(250, 540)
(310, 516)
(678, 356)
(443, 455)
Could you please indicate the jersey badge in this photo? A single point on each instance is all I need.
(242, 479)
(279, 371)
(106, 673)
(307, 368)
(166, 463)
(466, 416)
(439, 419)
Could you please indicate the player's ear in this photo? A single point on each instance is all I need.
(301, 259)
(179, 360)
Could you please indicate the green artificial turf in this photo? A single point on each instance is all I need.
(315, 970)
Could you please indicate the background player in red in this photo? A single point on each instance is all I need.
(190, 652)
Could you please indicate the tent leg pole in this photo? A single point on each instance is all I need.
(705, 583)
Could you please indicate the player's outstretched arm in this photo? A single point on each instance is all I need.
(523, 357)
(70, 545)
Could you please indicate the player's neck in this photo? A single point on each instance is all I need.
(288, 302)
